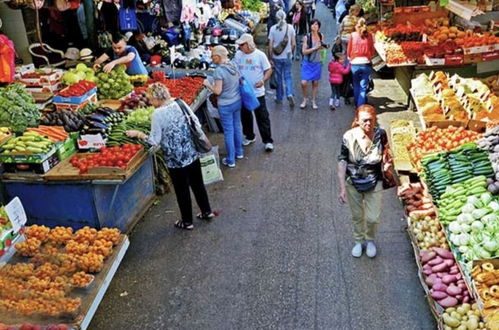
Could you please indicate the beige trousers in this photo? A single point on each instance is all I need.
(366, 211)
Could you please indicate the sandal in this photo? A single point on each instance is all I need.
(207, 217)
(182, 225)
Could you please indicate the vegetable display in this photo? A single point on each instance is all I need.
(186, 88)
(444, 278)
(71, 121)
(455, 166)
(463, 317)
(490, 142)
(17, 108)
(428, 232)
(117, 156)
(28, 143)
(115, 84)
(80, 88)
(417, 202)
(101, 121)
(77, 74)
(435, 140)
(54, 133)
(139, 119)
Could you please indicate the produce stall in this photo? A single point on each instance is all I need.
(452, 211)
(56, 278)
(420, 39)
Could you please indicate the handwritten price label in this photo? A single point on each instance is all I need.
(16, 213)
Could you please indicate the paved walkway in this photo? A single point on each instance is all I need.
(278, 257)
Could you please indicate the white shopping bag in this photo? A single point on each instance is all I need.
(210, 166)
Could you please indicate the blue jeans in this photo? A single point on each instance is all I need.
(230, 116)
(283, 77)
(361, 74)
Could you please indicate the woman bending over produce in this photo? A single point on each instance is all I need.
(360, 177)
(170, 130)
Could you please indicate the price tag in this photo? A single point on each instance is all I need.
(17, 216)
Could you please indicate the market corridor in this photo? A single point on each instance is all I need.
(278, 256)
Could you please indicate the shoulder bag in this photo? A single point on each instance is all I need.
(277, 50)
(200, 140)
(389, 177)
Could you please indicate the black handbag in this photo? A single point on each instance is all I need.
(200, 140)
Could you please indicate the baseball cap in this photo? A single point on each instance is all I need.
(246, 37)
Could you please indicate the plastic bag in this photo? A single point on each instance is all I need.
(210, 166)
(248, 97)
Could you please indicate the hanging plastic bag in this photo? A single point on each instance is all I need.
(248, 97)
(210, 166)
(128, 19)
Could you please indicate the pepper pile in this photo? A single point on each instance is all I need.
(80, 88)
(186, 88)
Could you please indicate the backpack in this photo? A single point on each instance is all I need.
(7, 59)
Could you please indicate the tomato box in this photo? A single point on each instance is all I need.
(434, 61)
(40, 77)
(472, 58)
(42, 88)
(75, 99)
(91, 141)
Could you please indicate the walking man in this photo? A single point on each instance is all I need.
(255, 68)
(282, 46)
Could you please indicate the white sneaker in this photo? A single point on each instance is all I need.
(371, 249)
(357, 250)
(240, 157)
(247, 142)
(337, 102)
(226, 163)
(269, 147)
(331, 102)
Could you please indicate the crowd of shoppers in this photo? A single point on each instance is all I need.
(291, 35)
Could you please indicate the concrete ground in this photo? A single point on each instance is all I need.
(278, 256)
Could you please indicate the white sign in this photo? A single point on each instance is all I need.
(17, 216)
(91, 141)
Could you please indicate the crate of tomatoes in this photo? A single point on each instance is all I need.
(112, 160)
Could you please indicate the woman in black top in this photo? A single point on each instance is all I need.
(298, 17)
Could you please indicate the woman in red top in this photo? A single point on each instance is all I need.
(360, 51)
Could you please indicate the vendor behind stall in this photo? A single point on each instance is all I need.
(121, 53)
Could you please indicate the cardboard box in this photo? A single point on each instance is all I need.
(91, 141)
(76, 107)
(434, 61)
(472, 58)
(67, 148)
(24, 158)
(39, 168)
(75, 99)
(490, 56)
(42, 89)
(45, 77)
(454, 59)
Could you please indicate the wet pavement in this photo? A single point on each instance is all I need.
(278, 256)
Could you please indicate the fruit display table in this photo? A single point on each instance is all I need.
(87, 200)
(90, 296)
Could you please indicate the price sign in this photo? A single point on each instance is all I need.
(17, 216)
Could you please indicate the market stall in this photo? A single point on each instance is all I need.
(421, 39)
(451, 207)
(55, 278)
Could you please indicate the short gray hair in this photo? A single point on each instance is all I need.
(158, 91)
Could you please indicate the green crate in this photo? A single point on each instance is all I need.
(67, 148)
(26, 158)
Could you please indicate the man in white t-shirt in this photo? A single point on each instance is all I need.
(281, 57)
(255, 68)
